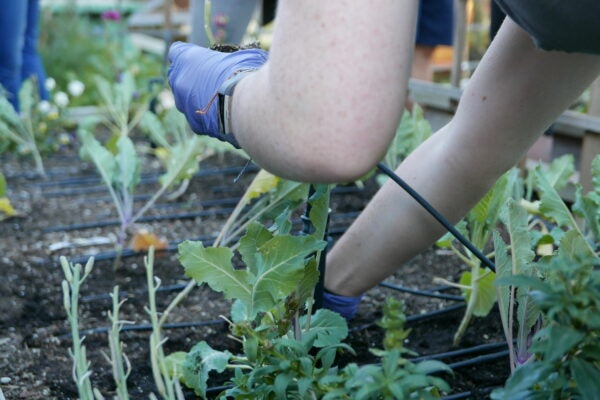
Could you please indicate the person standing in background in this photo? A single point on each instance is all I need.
(435, 26)
(19, 56)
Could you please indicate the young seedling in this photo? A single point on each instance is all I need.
(21, 128)
(477, 284)
(119, 165)
(74, 278)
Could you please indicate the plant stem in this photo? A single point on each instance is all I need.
(157, 357)
(207, 24)
(464, 323)
(117, 358)
(71, 286)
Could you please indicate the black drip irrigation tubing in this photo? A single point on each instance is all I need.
(439, 217)
(418, 317)
(152, 218)
(425, 293)
(96, 180)
(147, 327)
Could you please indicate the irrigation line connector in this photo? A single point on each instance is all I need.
(437, 215)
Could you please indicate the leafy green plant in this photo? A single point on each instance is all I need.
(118, 164)
(71, 288)
(565, 361)
(288, 352)
(75, 46)
(178, 148)
(477, 284)
(123, 105)
(21, 129)
(168, 388)
(413, 130)
(555, 298)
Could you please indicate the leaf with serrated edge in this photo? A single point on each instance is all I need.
(128, 164)
(256, 235)
(201, 360)
(213, 266)
(560, 170)
(486, 292)
(319, 210)
(587, 378)
(551, 204)
(279, 266)
(327, 328)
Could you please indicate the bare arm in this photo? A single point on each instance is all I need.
(326, 105)
(515, 94)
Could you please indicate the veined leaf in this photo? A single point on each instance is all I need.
(151, 124)
(557, 341)
(174, 364)
(319, 209)
(560, 170)
(128, 164)
(200, 361)
(279, 267)
(588, 208)
(256, 235)
(574, 248)
(307, 284)
(327, 328)
(551, 204)
(8, 113)
(514, 218)
(182, 161)
(486, 291)
(503, 269)
(103, 159)
(587, 378)
(213, 266)
(26, 98)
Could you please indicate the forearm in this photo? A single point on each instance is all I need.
(320, 109)
(515, 94)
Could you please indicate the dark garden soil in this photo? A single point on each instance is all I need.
(34, 341)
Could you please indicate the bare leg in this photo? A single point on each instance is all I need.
(515, 94)
(336, 70)
(422, 60)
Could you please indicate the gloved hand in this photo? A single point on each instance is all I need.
(196, 74)
(344, 305)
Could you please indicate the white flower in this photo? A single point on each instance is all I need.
(44, 107)
(61, 99)
(166, 99)
(76, 88)
(50, 84)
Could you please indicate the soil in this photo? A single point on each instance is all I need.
(34, 340)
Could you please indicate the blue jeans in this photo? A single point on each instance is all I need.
(19, 57)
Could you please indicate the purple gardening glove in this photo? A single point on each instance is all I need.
(196, 74)
(344, 305)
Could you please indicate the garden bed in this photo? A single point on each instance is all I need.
(59, 214)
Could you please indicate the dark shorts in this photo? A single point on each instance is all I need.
(564, 25)
(436, 22)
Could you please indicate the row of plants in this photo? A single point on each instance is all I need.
(546, 287)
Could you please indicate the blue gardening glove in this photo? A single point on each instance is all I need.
(197, 74)
(344, 305)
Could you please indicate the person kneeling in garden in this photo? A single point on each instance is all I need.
(323, 106)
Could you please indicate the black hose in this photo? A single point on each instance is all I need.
(439, 217)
